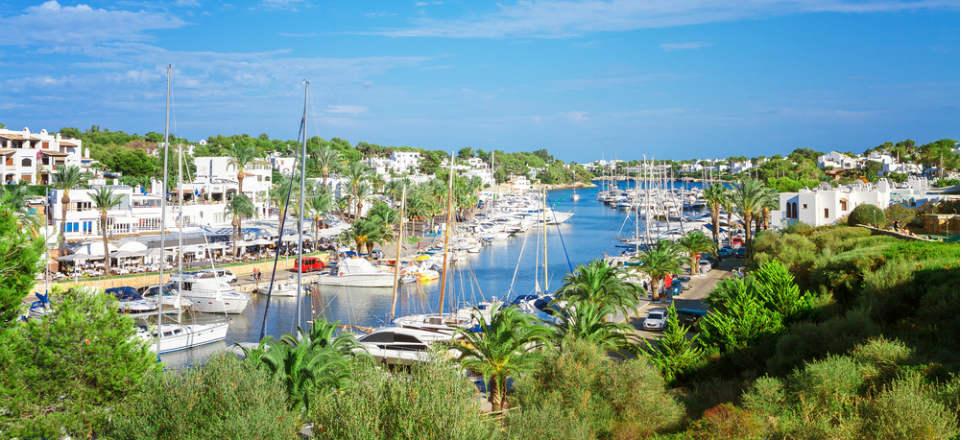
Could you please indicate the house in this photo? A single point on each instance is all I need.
(34, 157)
(826, 205)
(740, 166)
(216, 180)
(836, 160)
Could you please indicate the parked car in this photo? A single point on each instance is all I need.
(704, 266)
(726, 252)
(689, 317)
(311, 264)
(741, 252)
(655, 320)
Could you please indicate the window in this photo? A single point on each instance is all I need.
(379, 337)
(826, 212)
(804, 205)
(88, 227)
(26, 162)
(844, 205)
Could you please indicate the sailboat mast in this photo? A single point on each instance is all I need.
(544, 219)
(447, 234)
(397, 253)
(300, 211)
(163, 216)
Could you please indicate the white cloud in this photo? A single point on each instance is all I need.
(292, 5)
(65, 27)
(566, 18)
(687, 45)
(352, 110)
(576, 116)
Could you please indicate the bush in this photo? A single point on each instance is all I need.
(21, 261)
(435, 401)
(866, 214)
(223, 399)
(727, 421)
(808, 340)
(62, 374)
(908, 409)
(549, 419)
(614, 399)
(899, 213)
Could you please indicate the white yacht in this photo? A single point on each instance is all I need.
(356, 272)
(209, 293)
(403, 346)
(287, 288)
(183, 336)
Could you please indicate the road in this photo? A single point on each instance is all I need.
(702, 285)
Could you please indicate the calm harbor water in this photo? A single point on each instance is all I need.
(591, 233)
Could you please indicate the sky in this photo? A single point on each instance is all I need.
(670, 79)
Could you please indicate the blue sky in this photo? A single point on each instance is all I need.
(585, 79)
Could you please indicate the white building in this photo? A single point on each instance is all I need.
(484, 174)
(826, 205)
(404, 162)
(34, 157)
(740, 166)
(216, 180)
(837, 161)
(137, 213)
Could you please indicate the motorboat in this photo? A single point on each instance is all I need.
(286, 288)
(182, 336)
(170, 299)
(209, 293)
(356, 272)
(130, 301)
(404, 346)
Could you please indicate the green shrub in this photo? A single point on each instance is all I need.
(550, 419)
(63, 374)
(434, 401)
(908, 409)
(808, 340)
(882, 353)
(223, 399)
(866, 214)
(614, 399)
(767, 396)
(899, 213)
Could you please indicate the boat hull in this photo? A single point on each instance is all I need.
(376, 280)
(217, 305)
(192, 335)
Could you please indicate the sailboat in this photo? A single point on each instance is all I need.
(442, 322)
(176, 336)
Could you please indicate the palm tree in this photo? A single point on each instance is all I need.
(240, 207)
(65, 179)
(15, 197)
(715, 197)
(600, 284)
(357, 175)
(309, 362)
(728, 203)
(386, 218)
(364, 233)
(769, 202)
(749, 197)
(241, 155)
(319, 205)
(508, 344)
(660, 261)
(327, 160)
(104, 200)
(695, 243)
(588, 321)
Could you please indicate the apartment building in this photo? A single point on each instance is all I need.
(34, 157)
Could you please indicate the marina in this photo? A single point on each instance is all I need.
(501, 270)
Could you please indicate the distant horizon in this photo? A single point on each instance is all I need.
(679, 80)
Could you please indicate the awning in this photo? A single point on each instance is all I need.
(53, 153)
(79, 258)
(128, 254)
(7, 151)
